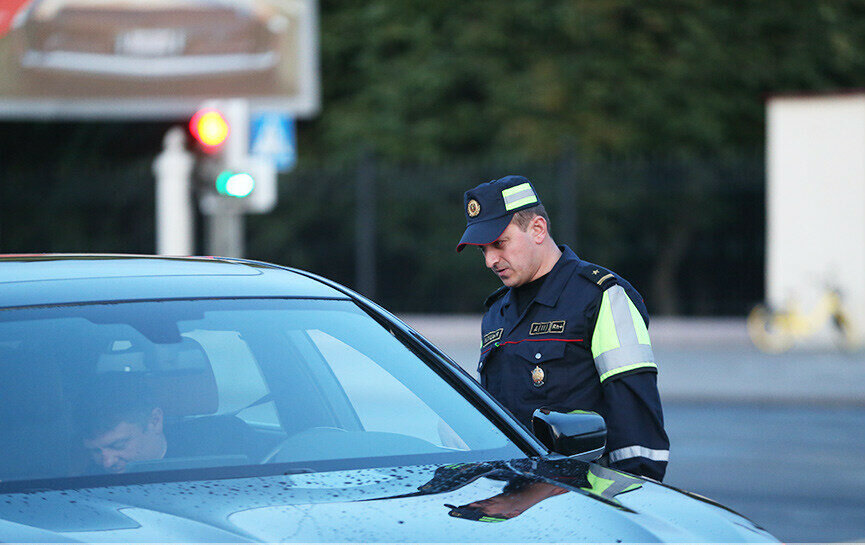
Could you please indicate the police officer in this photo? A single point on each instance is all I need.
(561, 332)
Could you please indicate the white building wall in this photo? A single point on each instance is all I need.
(815, 162)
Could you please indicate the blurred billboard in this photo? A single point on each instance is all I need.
(155, 59)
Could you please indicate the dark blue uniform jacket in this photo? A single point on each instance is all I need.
(554, 336)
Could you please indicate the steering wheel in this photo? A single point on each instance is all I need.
(292, 440)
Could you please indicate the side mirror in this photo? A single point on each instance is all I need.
(580, 434)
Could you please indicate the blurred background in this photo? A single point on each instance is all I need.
(643, 126)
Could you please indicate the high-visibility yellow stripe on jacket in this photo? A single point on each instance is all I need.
(620, 342)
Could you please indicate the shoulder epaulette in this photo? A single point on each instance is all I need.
(494, 296)
(599, 276)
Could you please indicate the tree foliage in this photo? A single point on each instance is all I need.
(433, 80)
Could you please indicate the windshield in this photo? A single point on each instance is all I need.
(133, 388)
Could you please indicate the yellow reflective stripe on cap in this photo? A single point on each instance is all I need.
(511, 191)
(519, 195)
(620, 342)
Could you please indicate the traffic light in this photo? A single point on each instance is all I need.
(210, 129)
(253, 182)
(235, 184)
(221, 127)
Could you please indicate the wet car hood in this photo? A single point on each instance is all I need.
(520, 500)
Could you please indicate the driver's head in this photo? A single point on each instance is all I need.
(123, 425)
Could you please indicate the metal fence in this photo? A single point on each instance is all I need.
(688, 233)
(49, 209)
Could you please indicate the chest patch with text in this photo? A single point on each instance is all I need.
(542, 328)
(493, 336)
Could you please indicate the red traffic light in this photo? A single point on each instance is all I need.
(210, 128)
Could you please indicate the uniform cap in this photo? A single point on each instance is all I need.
(490, 207)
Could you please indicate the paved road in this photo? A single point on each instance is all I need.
(780, 439)
(797, 472)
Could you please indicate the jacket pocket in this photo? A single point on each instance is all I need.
(540, 352)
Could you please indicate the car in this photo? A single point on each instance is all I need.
(204, 399)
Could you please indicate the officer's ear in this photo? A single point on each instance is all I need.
(538, 229)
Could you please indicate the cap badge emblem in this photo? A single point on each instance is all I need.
(538, 376)
(473, 208)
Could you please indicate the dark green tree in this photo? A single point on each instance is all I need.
(430, 81)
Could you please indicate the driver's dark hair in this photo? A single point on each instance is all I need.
(116, 398)
(523, 217)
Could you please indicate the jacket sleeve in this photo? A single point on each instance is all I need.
(636, 440)
(622, 351)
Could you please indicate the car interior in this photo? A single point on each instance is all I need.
(250, 392)
(239, 392)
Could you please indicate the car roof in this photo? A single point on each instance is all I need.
(41, 279)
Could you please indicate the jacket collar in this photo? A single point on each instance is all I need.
(554, 283)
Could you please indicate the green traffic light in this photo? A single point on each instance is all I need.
(235, 184)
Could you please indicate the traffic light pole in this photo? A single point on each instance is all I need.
(238, 183)
(226, 225)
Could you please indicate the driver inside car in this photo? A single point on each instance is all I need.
(125, 425)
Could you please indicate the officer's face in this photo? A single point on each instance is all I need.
(515, 257)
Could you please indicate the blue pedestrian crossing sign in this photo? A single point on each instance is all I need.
(272, 136)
